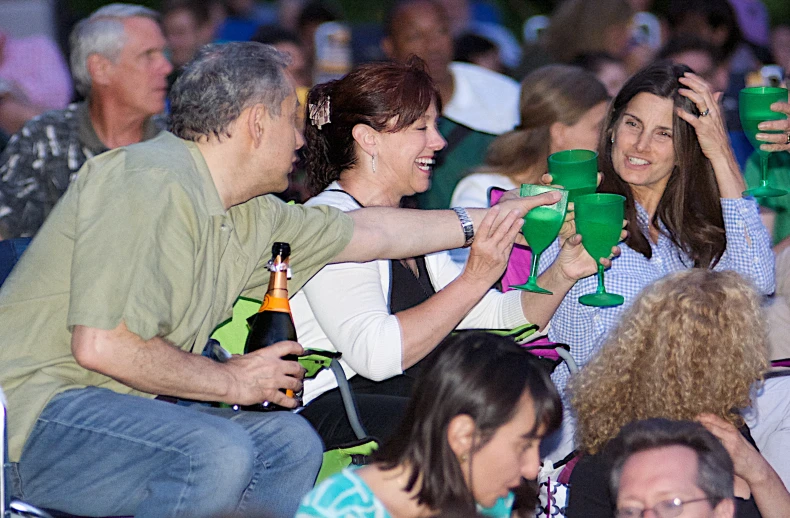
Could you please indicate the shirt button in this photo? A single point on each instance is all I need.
(223, 227)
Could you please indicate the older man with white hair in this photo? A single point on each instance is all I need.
(119, 65)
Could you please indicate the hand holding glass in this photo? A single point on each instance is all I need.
(576, 170)
(754, 106)
(541, 227)
(599, 220)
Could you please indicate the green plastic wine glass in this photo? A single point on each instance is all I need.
(576, 170)
(754, 106)
(541, 227)
(599, 220)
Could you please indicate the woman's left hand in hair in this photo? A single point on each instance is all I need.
(751, 468)
(709, 125)
(712, 134)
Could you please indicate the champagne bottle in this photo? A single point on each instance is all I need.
(273, 322)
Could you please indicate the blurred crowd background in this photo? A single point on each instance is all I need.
(498, 34)
(731, 43)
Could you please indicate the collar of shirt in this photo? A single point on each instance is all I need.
(214, 204)
(87, 133)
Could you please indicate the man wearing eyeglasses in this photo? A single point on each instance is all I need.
(667, 469)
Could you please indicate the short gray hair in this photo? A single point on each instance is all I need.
(223, 80)
(101, 33)
(714, 466)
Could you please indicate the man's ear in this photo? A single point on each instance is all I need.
(99, 68)
(388, 47)
(256, 123)
(366, 138)
(460, 435)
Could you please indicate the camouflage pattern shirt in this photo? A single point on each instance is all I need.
(40, 161)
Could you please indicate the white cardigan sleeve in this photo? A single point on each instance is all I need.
(350, 307)
(496, 310)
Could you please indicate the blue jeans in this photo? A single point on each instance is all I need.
(94, 452)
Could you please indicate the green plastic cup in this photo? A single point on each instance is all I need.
(599, 220)
(576, 170)
(541, 227)
(754, 106)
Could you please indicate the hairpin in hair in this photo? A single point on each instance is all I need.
(319, 112)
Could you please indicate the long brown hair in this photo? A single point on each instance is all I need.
(554, 93)
(690, 207)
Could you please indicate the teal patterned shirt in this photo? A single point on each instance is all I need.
(346, 495)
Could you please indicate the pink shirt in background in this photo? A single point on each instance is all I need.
(36, 66)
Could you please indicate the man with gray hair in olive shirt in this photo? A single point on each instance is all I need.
(143, 257)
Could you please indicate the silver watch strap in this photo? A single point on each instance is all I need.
(466, 225)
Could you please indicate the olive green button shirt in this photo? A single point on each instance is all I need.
(141, 236)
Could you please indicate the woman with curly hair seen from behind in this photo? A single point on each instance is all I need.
(691, 347)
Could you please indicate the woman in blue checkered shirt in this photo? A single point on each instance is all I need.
(664, 147)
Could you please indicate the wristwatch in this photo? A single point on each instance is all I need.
(466, 225)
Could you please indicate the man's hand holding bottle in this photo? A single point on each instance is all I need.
(264, 375)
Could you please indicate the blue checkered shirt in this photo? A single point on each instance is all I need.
(584, 328)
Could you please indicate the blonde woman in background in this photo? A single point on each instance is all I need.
(561, 107)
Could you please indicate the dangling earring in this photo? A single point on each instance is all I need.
(374, 163)
(612, 139)
(464, 457)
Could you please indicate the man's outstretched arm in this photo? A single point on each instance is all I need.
(389, 233)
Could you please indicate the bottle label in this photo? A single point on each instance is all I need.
(275, 304)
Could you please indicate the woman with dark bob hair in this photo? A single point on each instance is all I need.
(664, 148)
(469, 438)
(692, 346)
(371, 140)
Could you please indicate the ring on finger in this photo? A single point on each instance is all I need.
(787, 142)
(705, 112)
